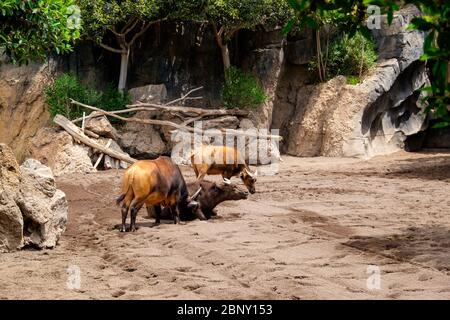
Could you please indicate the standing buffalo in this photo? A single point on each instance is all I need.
(154, 182)
(223, 160)
(210, 196)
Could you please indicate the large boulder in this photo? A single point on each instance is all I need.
(44, 207)
(22, 102)
(152, 93)
(32, 210)
(60, 152)
(11, 220)
(141, 140)
(101, 126)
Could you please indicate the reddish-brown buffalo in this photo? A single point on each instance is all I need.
(223, 160)
(154, 182)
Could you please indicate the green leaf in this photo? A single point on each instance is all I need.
(441, 125)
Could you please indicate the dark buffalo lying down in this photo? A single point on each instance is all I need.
(210, 196)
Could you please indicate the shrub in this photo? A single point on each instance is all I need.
(59, 93)
(68, 86)
(353, 80)
(348, 56)
(241, 90)
(112, 99)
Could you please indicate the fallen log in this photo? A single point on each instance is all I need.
(173, 124)
(78, 135)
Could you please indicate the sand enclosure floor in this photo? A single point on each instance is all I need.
(311, 232)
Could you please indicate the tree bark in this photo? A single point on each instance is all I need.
(124, 57)
(225, 56)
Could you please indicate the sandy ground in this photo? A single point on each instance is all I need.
(310, 232)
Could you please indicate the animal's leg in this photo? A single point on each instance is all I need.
(157, 210)
(124, 218)
(134, 209)
(176, 214)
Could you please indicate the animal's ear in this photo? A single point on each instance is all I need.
(255, 174)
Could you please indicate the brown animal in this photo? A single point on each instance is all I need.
(210, 196)
(154, 182)
(223, 160)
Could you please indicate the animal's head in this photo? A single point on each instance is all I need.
(191, 203)
(224, 192)
(249, 179)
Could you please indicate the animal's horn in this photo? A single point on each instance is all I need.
(195, 195)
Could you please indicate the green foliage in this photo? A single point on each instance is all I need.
(246, 14)
(29, 30)
(112, 99)
(99, 16)
(348, 56)
(68, 86)
(353, 80)
(241, 90)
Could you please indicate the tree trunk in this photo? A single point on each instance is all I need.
(225, 56)
(123, 69)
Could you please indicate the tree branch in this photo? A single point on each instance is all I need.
(144, 28)
(124, 32)
(216, 34)
(184, 97)
(175, 125)
(104, 46)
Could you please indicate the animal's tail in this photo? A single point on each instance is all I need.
(126, 185)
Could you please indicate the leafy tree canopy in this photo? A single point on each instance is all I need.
(99, 16)
(30, 29)
(240, 14)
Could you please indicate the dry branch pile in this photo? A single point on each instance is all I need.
(187, 114)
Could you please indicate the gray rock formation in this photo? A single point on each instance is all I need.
(371, 118)
(266, 62)
(32, 210)
(141, 141)
(44, 208)
(152, 93)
